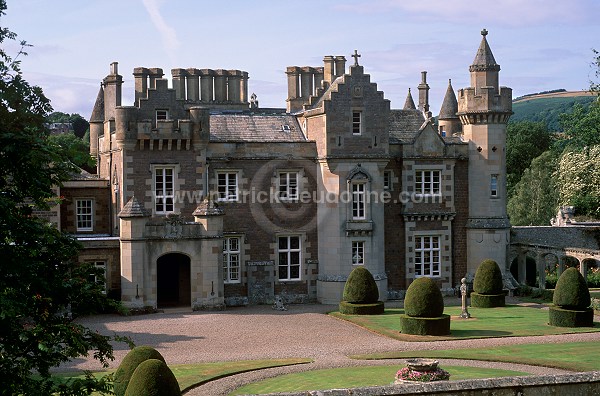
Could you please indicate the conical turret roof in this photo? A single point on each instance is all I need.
(409, 104)
(449, 105)
(484, 60)
(133, 208)
(98, 111)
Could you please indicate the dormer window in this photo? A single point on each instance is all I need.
(286, 128)
(356, 122)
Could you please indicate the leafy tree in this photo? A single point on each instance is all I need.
(525, 141)
(578, 175)
(42, 288)
(595, 85)
(80, 124)
(75, 148)
(582, 126)
(535, 197)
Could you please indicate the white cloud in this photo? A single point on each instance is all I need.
(169, 36)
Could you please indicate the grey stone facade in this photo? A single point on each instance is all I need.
(216, 201)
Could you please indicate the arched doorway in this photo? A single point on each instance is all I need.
(173, 280)
(530, 271)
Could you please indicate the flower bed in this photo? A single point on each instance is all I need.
(407, 374)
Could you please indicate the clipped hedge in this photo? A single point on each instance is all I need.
(360, 287)
(423, 299)
(128, 365)
(439, 326)
(361, 309)
(153, 378)
(487, 300)
(571, 291)
(488, 278)
(561, 317)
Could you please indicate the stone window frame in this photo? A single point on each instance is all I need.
(358, 253)
(357, 121)
(289, 251)
(228, 254)
(99, 264)
(358, 191)
(427, 188)
(89, 217)
(228, 197)
(431, 262)
(287, 197)
(494, 179)
(388, 177)
(161, 115)
(175, 171)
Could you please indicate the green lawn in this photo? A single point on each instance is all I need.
(192, 375)
(576, 356)
(509, 321)
(352, 377)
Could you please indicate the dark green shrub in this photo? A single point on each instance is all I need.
(488, 278)
(571, 317)
(361, 309)
(153, 378)
(425, 326)
(360, 287)
(487, 300)
(423, 299)
(130, 362)
(571, 292)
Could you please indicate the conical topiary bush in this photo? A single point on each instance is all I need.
(424, 309)
(487, 286)
(361, 294)
(128, 365)
(571, 301)
(153, 378)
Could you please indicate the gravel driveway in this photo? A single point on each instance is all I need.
(258, 332)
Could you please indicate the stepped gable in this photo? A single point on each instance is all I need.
(251, 127)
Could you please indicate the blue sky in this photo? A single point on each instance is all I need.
(539, 44)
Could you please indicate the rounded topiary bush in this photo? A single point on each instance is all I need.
(423, 299)
(424, 310)
(153, 378)
(571, 301)
(488, 278)
(130, 362)
(571, 291)
(360, 287)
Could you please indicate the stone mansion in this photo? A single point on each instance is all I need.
(204, 199)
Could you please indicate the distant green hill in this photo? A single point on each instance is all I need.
(547, 107)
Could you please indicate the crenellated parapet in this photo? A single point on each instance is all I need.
(484, 106)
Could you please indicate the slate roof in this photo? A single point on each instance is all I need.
(449, 105)
(98, 111)
(133, 208)
(484, 57)
(409, 103)
(559, 237)
(255, 128)
(404, 125)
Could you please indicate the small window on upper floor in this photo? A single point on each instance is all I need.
(356, 122)
(227, 186)
(85, 214)
(427, 182)
(387, 180)
(442, 131)
(494, 185)
(162, 115)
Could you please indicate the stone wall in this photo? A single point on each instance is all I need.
(581, 384)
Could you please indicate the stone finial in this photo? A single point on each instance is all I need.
(484, 32)
(356, 56)
(133, 208)
(208, 207)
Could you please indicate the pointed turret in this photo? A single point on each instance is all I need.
(97, 122)
(409, 104)
(484, 59)
(449, 123)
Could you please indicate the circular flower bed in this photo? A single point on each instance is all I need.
(407, 374)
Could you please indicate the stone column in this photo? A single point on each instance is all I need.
(179, 76)
(206, 77)
(193, 85)
(220, 85)
(155, 74)
(541, 268)
(522, 263)
(140, 75)
(307, 78)
(329, 69)
(234, 86)
(244, 88)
